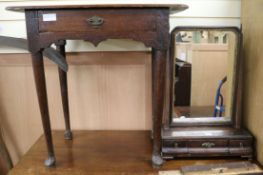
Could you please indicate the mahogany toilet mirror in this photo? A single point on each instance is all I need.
(204, 95)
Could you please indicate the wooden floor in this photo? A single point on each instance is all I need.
(100, 152)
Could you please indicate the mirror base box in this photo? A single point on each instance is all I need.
(206, 142)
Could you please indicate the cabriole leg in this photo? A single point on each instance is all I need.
(158, 89)
(39, 74)
(64, 91)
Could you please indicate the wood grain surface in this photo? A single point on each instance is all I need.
(177, 7)
(101, 152)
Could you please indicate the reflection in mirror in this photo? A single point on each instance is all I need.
(204, 76)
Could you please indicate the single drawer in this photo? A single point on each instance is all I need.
(116, 21)
(175, 150)
(240, 143)
(217, 151)
(174, 144)
(207, 143)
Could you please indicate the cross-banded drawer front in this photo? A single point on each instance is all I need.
(96, 21)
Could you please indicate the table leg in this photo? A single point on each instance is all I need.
(39, 74)
(5, 158)
(158, 88)
(60, 46)
(168, 105)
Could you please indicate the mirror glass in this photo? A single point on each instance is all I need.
(204, 76)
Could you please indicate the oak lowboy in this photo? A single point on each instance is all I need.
(147, 23)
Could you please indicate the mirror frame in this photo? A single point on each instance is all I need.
(237, 86)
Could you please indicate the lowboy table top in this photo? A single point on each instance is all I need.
(173, 7)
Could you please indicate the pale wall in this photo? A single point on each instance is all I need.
(253, 75)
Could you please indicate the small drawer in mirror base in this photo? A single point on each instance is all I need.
(240, 143)
(175, 144)
(170, 153)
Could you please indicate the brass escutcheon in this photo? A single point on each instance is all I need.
(208, 144)
(95, 21)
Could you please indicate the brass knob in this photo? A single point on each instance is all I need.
(175, 145)
(241, 144)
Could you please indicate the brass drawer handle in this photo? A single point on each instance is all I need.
(208, 144)
(176, 145)
(95, 21)
(241, 145)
